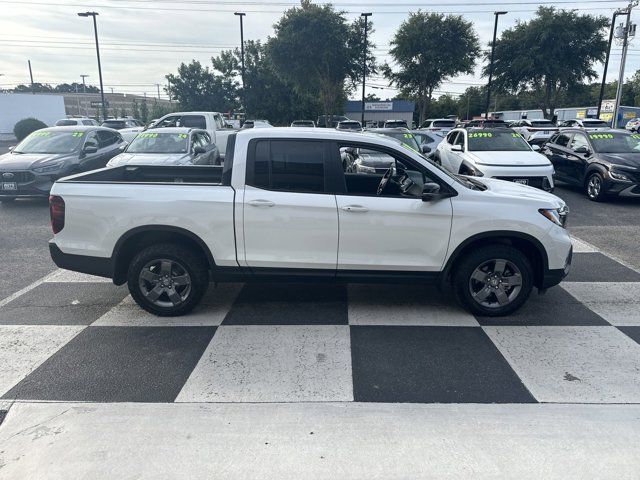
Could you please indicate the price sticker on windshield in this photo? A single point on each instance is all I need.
(41, 134)
(182, 135)
(148, 135)
(481, 135)
(77, 134)
(635, 136)
(601, 136)
(515, 135)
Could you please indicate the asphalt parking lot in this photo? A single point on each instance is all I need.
(265, 370)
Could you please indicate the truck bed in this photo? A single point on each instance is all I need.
(189, 174)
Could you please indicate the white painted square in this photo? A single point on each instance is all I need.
(211, 311)
(67, 276)
(617, 303)
(412, 305)
(24, 347)
(582, 247)
(299, 363)
(572, 364)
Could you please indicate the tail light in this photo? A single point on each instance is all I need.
(56, 210)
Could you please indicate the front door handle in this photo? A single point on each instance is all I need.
(355, 208)
(261, 203)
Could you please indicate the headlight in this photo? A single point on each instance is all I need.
(556, 215)
(616, 175)
(364, 169)
(51, 167)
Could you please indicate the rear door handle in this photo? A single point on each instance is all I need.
(355, 208)
(261, 203)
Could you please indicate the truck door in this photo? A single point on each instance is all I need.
(288, 219)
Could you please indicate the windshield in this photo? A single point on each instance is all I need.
(50, 142)
(149, 142)
(595, 123)
(395, 124)
(406, 139)
(349, 126)
(66, 123)
(497, 142)
(542, 123)
(617, 142)
(444, 123)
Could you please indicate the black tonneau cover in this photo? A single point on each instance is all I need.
(188, 174)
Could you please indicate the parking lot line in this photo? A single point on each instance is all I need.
(26, 289)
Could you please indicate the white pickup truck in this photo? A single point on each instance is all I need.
(282, 207)
(212, 122)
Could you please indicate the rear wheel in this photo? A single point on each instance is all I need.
(493, 281)
(594, 187)
(167, 279)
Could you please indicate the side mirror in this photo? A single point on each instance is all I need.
(88, 149)
(582, 150)
(536, 148)
(425, 149)
(199, 150)
(11, 148)
(123, 146)
(430, 192)
(457, 148)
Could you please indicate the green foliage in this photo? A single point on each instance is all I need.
(198, 88)
(160, 110)
(549, 55)
(144, 111)
(27, 126)
(428, 48)
(75, 87)
(135, 110)
(319, 53)
(265, 94)
(37, 88)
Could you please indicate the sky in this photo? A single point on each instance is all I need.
(143, 40)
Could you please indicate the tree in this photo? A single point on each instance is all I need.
(198, 88)
(265, 94)
(135, 110)
(429, 48)
(75, 87)
(144, 111)
(548, 55)
(37, 87)
(319, 53)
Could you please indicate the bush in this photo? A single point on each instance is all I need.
(27, 126)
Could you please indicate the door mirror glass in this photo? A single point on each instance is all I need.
(90, 148)
(198, 150)
(536, 148)
(456, 148)
(425, 149)
(430, 191)
(582, 150)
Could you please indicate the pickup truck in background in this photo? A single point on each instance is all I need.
(282, 208)
(213, 122)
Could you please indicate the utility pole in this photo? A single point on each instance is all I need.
(364, 62)
(628, 30)
(84, 92)
(95, 30)
(242, 14)
(158, 85)
(84, 85)
(33, 92)
(493, 46)
(606, 63)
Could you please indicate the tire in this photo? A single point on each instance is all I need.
(167, 280)
(593, 187)
(480, 288)
(436, 159)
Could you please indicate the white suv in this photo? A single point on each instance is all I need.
(497, 153)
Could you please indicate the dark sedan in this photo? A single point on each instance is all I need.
(604, 162)
(30, 169)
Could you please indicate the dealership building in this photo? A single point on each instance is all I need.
(379, 111)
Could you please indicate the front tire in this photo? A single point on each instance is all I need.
(594, 187)
(167, 280)
(493, 281)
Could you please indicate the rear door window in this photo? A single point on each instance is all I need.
(193, 121)
(288, 165)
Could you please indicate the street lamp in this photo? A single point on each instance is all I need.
(493, 46)
(364, 62)
(95, 30)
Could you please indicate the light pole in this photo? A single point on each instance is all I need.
(84, 84)
(606, 63)
(241, 14)
(33, 92)
(493, 46)
(95, 30)
(627, 31)
(364, 61)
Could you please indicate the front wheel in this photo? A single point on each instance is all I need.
(493, 281)
(594, 187)
(167, 280)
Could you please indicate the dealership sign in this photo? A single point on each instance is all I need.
(378, 106)
(99, 104)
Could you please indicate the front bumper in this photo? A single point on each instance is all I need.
(555, 276)
(99, 266)
(27, 183)
(535, 176)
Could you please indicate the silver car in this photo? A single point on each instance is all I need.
(31, 168)
(169, 146)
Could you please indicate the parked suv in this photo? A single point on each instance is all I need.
(494, 152)
(536, 131)
(604, 162)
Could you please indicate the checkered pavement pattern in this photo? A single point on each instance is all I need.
(80, 338)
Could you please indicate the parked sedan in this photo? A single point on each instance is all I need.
(585, 124)
(536, 131)
(428, 140)
(30, 169)
(604, 163)
(633, 125)
(303, 123)
(169, 146)
(68, 122)
(497, 153)
(351, 125)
